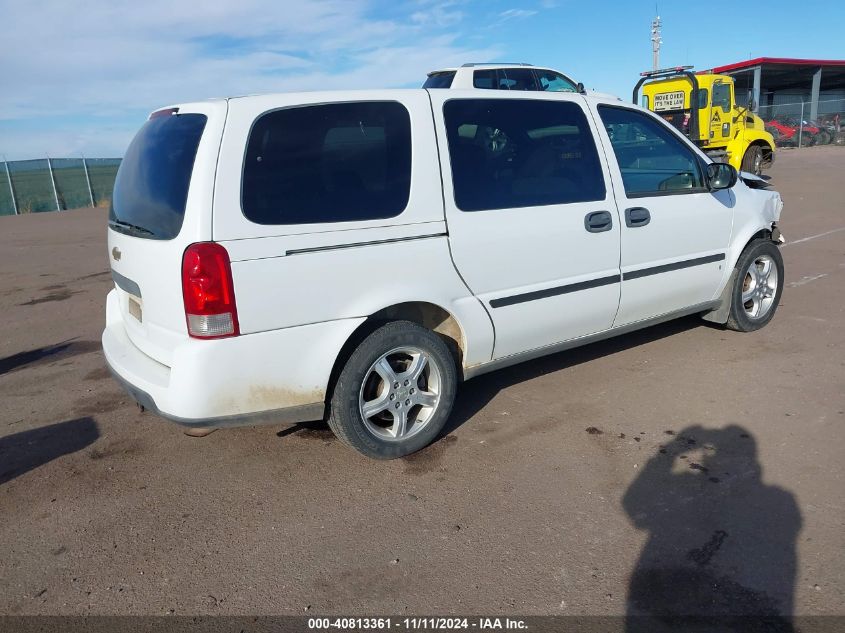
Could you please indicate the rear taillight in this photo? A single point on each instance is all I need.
(208, 291)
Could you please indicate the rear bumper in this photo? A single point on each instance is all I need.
(277, 377)
(288, 415)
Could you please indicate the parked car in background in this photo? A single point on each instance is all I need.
(502, 77)
(356, 255)
(788, 131)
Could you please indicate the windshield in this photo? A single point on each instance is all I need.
(151, 188)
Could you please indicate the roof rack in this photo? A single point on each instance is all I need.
(665, 71)
(471, 64)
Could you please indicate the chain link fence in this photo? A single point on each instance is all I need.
(56, 184)
(792, 125)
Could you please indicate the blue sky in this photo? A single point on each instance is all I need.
(81, 77)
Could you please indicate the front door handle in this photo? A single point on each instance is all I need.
(598, 221)
(636, 217)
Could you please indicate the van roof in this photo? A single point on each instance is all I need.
(493, 65)
(310, 94)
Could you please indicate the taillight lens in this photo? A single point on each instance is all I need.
(208, 291)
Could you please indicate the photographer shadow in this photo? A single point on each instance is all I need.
(721, 548)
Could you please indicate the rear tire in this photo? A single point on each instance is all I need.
(395, 393)
(753, 160)
(758, 285)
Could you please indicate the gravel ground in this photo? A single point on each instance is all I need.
(681, 465)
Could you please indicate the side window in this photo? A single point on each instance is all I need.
(504, 79)
(653, 161)
(702, 98)
(509, 153)
(551, 81)
(338, 162)
(722, 96)
(517, 79)
(485, 79)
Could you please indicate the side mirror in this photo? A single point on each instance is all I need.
(720, 176)
(751, 105)
(580, 88)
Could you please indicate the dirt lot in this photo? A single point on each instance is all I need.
(555, 492)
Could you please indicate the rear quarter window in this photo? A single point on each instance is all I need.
(338, 162)
(151, 188)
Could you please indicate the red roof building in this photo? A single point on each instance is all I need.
(788, 86)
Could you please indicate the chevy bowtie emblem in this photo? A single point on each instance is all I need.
(115, 252)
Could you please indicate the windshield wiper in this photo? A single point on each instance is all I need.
(133, 227)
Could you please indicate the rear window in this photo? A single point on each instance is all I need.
(151, 188)
(338, 162)
(440, 80)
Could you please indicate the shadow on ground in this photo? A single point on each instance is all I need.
(27, 450)
(46, 354)
(721, 548)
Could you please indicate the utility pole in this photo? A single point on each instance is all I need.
(656, 41)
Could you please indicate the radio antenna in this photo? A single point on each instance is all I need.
(656, 41)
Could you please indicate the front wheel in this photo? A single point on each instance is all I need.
(395, 392)
(758, 285)
(753, 160)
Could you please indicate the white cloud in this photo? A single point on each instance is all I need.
(516, 14)
(438, 13)
(81, 66)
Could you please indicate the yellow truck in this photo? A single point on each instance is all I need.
(725, 131)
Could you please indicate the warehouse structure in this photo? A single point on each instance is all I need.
(795, 87)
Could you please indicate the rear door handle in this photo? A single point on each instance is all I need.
(598, 221)
(636, 217)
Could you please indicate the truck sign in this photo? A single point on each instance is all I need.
(669, 101)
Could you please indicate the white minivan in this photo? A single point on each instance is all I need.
(353, 256)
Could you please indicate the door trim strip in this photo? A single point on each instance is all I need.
(501, 302)
(665, 268)
(335, 247)
(553, 292)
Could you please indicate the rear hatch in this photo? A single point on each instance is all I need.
(162, 203)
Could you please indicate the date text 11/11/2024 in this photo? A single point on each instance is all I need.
(417, 624)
